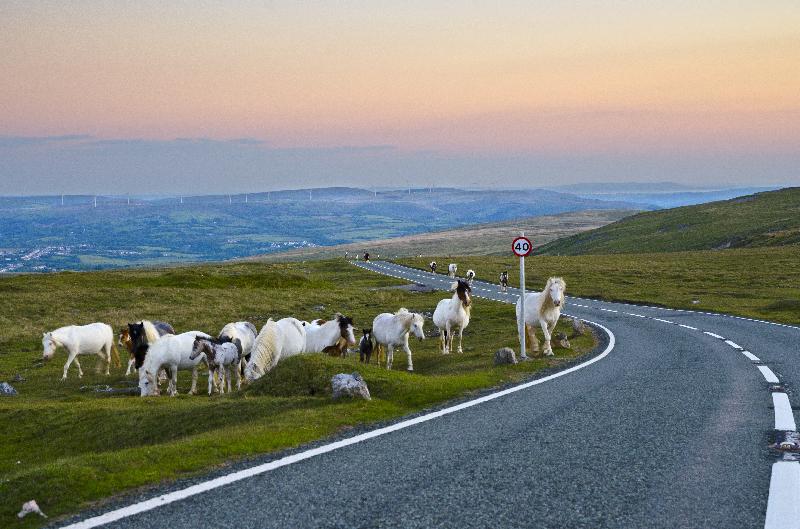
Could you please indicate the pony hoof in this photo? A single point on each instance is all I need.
(409, 369)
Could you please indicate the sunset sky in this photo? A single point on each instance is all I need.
(247, 96)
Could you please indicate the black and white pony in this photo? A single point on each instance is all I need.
(453, 313)
(222, 357)
(504, 281)
(470, 277)
(432, 266)
(142, 335)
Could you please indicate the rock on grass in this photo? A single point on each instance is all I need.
(344, 385)
(7, 390)
(504, 356)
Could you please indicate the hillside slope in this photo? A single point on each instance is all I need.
(482, 239)
(764, 219)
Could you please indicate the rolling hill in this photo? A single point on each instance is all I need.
(482, 239)
(765, 219)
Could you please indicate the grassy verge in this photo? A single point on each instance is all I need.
(66, 448)
(758, 283)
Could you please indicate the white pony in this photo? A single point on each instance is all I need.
(245, 332)
(543, 308)
(277, 340)
(452, 313)
(392, 330)
(452, 268)
(321, 334)
(95, 338)
(172, 351)
(470, 276)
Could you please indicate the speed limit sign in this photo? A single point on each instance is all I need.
(521, 246)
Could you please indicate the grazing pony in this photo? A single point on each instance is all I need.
(321, 334)
(365, 346)
(173, 352)
(452, 313)
(470, 277)
(245, 332)
(452, 268)
(392, 330)
(542, 308)
(221, 357)
(142, 334)
(504, 281)
(95, 338)
(277, 340)
(432, 266)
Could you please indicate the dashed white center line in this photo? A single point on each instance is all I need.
(734, 345)
(784, 419)
(783, 506)
(769, 376)
(687, 327)
(751, 356)
(664, 321)
(714, 335)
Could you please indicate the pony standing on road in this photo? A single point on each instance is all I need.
(222, 358)
(452, 268)
(470, 277)
(452, 313)
(504, 281)
(392, 330)
(172, 352)
(542, 308)
(277, 340)
(95, 338)
(321, 334)
(432, 266)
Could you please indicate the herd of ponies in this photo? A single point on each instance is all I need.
(239, 350)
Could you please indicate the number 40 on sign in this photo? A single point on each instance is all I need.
(521, 246)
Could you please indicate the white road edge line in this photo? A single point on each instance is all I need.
(769, 376)
(783, 505)
(193, 490)
(784, 419)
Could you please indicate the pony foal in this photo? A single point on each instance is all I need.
(221, 357)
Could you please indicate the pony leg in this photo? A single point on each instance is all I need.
(131, 362)
(532, 339)
(192, 391)
(389, 355)
(210, 382)
(548, 350)
(73, 357)
(172, 388)
(408, 353)
(460, 339)
(443, 340)
(238, 380)
(99, 367)
(108, 358)
(228, 376)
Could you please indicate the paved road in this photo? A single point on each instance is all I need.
(670, 429)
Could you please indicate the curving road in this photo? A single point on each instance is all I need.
(670, 427)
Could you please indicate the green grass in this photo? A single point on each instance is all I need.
(754, 282)
(67, 448)
(762, 220)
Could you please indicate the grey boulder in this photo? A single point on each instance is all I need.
(504, 356)
(352, 386)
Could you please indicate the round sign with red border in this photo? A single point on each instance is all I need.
(521, 246)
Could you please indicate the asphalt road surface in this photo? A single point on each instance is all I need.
(670, 428)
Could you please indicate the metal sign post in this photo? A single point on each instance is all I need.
(521, 247)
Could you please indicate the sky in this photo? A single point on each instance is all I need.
(237, 96)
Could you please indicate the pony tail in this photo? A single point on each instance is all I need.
(115, 355)
(263, 355)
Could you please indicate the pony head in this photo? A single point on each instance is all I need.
(251, 372)
(137, 333)
(366, 332)
(125, 338)
(148, 385)
(416, 326)
(346, 328)
(200, 346)
(463, 291)
(555, 290)
(48, 345)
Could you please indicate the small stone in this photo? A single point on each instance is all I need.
(30, 507)
(18, 378)
(562, 340)
(344, 385)
(7, 390)
(318, 308)
(504, 356)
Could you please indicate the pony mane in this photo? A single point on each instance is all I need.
(263, 352)
(251, 327)
(150, 331)
(400, 311)
(547, 302)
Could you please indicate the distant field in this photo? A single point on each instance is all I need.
(66, 447)
(754, 282)
(480, 239)
(764, 219)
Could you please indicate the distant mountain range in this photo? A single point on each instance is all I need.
(770, 218)
(41, 234)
